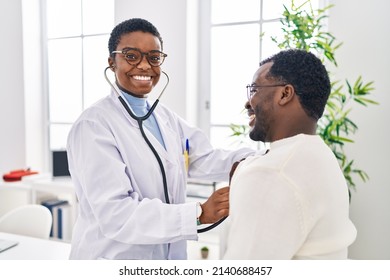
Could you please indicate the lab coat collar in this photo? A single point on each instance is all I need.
(169, 136)
(167, 133)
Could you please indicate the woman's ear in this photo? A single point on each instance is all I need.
(111, 63)
(286, 95)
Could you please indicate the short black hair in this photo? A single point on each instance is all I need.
(128, 26)
(307, 74)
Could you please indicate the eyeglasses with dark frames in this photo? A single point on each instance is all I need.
(252, 89)
(134, 56)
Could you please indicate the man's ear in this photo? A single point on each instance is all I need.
(286, 95)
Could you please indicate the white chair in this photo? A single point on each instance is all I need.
(32, 220)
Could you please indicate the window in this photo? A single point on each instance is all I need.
(238, 37)
(77, 33)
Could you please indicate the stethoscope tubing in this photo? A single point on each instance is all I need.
(141, 127)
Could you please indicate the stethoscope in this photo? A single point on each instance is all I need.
(140, 120)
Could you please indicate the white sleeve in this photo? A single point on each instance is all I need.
(205, 161)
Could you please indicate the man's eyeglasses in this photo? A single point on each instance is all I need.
(134, 56)
(252, 89)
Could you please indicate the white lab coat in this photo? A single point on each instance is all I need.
(122, 214)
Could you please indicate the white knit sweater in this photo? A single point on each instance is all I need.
(291, 203)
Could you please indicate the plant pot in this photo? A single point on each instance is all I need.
(204, 253)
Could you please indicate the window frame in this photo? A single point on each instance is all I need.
(205, 31)
(48, 121)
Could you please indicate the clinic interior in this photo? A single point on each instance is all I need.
(360, 25)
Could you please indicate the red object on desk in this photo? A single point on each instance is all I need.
(16, 175)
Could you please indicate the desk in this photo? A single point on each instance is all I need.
(61, 187)
(30, 248)
(34, 189)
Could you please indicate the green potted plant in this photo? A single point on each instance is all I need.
(204, 252)
(303, 28)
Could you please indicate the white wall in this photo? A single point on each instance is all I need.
(34, 94)
(12, 125)
(363, 27)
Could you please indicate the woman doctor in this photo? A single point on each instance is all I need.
(123, 212)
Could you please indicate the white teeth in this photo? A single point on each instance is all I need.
(142, 78)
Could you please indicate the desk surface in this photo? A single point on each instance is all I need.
(30, 248)
(14, 185)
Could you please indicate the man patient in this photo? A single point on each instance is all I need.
(292, 201)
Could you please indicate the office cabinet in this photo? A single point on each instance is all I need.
(36, 189)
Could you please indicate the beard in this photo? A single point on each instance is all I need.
(258, 132)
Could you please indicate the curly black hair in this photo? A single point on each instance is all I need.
(131, 25)
(306, 73)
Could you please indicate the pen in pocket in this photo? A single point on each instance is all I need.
(186, 154)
